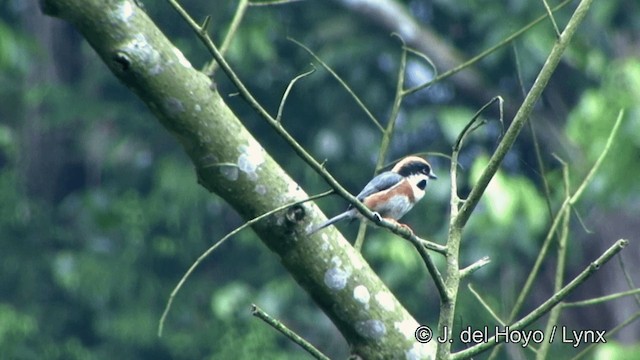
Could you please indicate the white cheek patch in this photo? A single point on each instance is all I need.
(419, 185)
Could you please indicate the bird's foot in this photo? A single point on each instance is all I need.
(406, 227)
(400, 225)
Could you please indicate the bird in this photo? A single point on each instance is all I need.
(391, 194)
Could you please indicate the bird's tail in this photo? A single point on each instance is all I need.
(333, 220)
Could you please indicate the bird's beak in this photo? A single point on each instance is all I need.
(432, 176)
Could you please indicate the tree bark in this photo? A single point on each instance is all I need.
(232, 164)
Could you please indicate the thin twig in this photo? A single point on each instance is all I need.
(550, 15)
(289, 87)
(341, 82)
(273, 2)
(211, 249)
(434, 246)
(628, 278)
(262, 315)
(602, 299)
(471, 125)
(433, 270)
(210, 68)
(560, 266)
(485, 305)
(464, 272)
(485, 53)
(428, 61)
(600, 159)
(610, 333)
(534, 137)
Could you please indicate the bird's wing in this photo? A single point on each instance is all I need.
(379, 183)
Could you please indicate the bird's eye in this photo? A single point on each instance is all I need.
(422, 184)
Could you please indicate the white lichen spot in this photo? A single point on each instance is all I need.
(324, 244)
(261, 189)
(357, 264)
(371, 329)
(361, 294)
(295, 192)
(173, 106)
(124, 11)
(250, 159)
(309, 228)
(198, 108)
(230, 172)
(143, 54)
(386, 301)
(406, 327)
(336, 261)
(420, 351)
(336, 278)
(181, 58)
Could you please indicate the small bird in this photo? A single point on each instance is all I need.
(393, 193)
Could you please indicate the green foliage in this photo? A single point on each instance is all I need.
(592, 120)
(616, 351)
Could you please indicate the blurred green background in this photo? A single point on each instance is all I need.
(100, 212)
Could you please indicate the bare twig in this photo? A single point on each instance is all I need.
(610, 333)
(602, 299)
(231, 32)
(343, 83)
(534, 138)
(628, 278)
(431, 267)
(550, 15)
(464, 272)
(485, 305)
(471, 125)
(485, 53)
(273, 2)
(262, 315)
(560, 266)
(289, 87)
